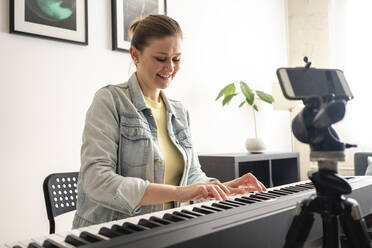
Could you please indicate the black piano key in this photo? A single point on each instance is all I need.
(148, 223)
(251, 198)
(49, 243)
(290, 190)
(236, 202)
(268, 195)
(222, 206)
(202, 210)
(160, 220)
(90, 237)
(212, 208)
(188, 216)
(104, 231)
(275, 193)
(234, 205)
(75, 240)
(173, 217)
(121, 229)
(134, 227)
(191, 213)
(260, 197)
(244, 200)
(17, 246)
(295, 188)
(285, 191)
(34, 245)
(281, 192)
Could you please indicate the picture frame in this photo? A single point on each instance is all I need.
(124, 12)
(51, 19)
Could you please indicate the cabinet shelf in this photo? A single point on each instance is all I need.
(272, 169)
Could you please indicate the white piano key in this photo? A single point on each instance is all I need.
(11, 245)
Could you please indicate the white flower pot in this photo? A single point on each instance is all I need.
(255, 145)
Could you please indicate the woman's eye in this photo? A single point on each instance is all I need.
(161, 59)
(176, 59)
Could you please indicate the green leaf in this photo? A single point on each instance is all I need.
(227, 99)
(265, 97)
(230, 90)
(255, 107)
(227, 88)
(240, 105)
(248, 93)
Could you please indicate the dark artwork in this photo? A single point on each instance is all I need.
(134, 9)
(55, 13)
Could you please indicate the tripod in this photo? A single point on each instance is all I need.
(333, 207)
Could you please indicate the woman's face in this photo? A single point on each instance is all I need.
(159, 62)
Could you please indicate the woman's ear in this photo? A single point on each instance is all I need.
(134, 54)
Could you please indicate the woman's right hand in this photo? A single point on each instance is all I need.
(199, 191)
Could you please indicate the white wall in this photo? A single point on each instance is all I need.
(46, 87)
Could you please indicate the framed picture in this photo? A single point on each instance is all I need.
(63, 20)
(124, 12)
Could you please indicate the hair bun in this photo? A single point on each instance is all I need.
(133, 27)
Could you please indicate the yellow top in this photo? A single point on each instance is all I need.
(174, 164)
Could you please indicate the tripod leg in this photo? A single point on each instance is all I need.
(301, 225)
(330, 231)
(354, 225)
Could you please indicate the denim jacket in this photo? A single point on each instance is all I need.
(120, 154)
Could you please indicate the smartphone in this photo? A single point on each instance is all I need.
(302, 83)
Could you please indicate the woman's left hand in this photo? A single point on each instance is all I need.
(244, 184)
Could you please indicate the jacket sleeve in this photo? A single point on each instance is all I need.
(99, 150)
(196, 175)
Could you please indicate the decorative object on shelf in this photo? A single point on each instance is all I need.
(253, 145)
(65, 20)
(123, 13)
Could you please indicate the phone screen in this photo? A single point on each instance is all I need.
(299, 83)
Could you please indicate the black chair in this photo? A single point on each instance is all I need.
(60, 193)
(361, 162)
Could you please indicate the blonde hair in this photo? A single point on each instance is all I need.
(141, 31)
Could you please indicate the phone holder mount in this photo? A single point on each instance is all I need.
(313, 126)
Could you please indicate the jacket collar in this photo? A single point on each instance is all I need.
(138, 99)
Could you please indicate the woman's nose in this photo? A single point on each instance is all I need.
(170, 66)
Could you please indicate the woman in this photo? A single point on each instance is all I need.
(137, 155)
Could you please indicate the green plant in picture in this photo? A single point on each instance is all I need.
(251, 97)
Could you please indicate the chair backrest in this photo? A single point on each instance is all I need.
(60, 193)
(361, 162)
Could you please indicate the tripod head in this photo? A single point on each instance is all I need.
(324, 93)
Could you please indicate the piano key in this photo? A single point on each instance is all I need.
(122, 230)
(134, 227)
(268, 195)
(284, 192)
(160, 220)
(248, 201)
(34, 245)
(222, 206)
(173, 217)
(251, 198)
(90, 237)
(188, 216)
(56, 241)
(108, 232)
(260, 197)
(202, 210)
(190, 212)
(75, 240)
(148, 223)
(229, 204)
(212, 208)
(236, 202)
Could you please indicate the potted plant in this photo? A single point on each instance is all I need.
(251, 97)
